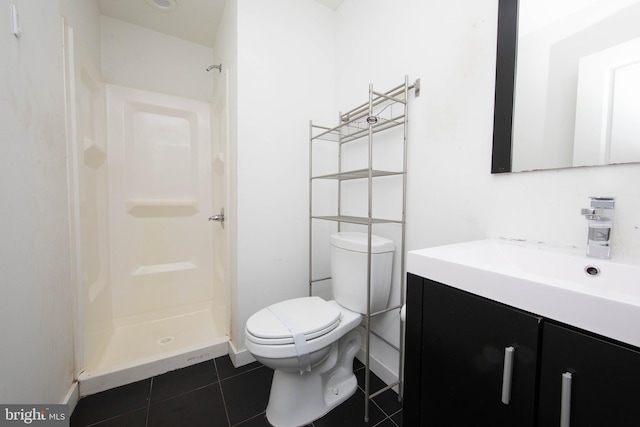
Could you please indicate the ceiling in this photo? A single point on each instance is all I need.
(193, 20)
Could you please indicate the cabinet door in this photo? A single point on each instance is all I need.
(605, 380)
(463, 354)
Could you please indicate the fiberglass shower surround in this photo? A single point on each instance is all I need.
(163, 303)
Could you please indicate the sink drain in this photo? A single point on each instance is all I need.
(592, 270)
(165, 340)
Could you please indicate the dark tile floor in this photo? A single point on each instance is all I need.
(214, 393)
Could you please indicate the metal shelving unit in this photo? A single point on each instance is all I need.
(382, 112)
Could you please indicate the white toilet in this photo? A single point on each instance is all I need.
(310, 343)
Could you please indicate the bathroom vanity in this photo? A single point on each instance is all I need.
(569, 343)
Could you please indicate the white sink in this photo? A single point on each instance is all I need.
(563, 284)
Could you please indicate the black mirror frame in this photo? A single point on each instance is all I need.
(505, 85)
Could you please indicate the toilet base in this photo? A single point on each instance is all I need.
(296, 400)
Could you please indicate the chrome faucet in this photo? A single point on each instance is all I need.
(600, 217)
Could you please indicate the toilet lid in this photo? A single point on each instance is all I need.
(313, 315)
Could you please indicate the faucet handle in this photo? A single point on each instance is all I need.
(595, 214)
(600, 208)
(591, 213)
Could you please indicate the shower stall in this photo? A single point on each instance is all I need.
(147, 170)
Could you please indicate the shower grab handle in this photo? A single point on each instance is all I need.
(219, 218)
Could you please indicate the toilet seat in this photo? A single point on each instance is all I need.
(313, 316)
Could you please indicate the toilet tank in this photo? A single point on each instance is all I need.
(349, 270)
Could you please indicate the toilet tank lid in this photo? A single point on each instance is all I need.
(358, 242)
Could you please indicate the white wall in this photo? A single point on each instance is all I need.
(36, 361)
(452, 196)
(285, 78)
(137, 57)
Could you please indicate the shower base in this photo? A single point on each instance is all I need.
(143, 346)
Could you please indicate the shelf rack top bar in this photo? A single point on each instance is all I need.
(333, 134)
(390, 98)
(363, 110)
(391, 94)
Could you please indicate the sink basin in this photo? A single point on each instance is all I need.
(563, 284)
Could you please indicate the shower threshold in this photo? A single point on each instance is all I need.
(144, 346)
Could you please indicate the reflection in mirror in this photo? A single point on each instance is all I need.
(576, 98)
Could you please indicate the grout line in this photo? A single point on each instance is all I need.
(241, 373)
(173, 396)
(397, 412)
(224, 403)
(386, 416)
(389, 417)
(146, 421)
(114, 417)
(261, 414)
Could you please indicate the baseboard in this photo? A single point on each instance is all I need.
(239, 357)
(384, 372)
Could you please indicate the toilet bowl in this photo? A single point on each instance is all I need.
(310, 343)
(300, 393)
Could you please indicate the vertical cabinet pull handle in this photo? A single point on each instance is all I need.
(509, 353)
(565, 401)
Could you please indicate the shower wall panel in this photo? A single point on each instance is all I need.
(219, 157)
(88, 198)
(94, 213)
(160, 200)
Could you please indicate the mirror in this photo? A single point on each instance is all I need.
(567, 84)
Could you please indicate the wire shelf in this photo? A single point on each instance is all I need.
(357, 219)
(357, 174)
(354, 130)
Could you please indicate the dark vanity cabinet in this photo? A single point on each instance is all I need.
(455, 357)
(603, 388)
(457, 345)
